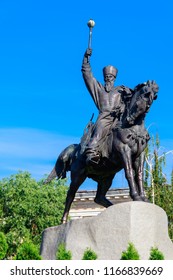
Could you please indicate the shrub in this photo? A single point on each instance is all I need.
(155, 254)
(27, 207)
(3, 246)
(89, 255)
(62, 253)
(27, 251)
(131, 253)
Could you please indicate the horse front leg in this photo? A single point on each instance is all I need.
(139, 175)
(129, 173)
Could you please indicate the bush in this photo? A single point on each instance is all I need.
(89, 255)
(27, 251)
(3, 246)
(155, 254)
(62, 253)
(131, 253)
(28, 207)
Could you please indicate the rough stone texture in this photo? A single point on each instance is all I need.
(108, 234)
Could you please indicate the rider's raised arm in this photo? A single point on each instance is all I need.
(92, 84)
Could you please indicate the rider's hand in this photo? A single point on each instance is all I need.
(130, 120)
(88, 52)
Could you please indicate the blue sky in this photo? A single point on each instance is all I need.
(44, 102)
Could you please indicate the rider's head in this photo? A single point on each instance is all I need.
(110, 73)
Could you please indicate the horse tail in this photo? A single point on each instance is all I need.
(51, 176)
(63, 163)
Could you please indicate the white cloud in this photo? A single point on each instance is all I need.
(32, 143)
(36, 151)
(30, 149)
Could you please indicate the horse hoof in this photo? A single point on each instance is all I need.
(136, 198)
(64, 220)
(103, 201)
(145, 199)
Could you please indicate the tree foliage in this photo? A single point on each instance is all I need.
(159, 191)
(28, 207)
(3, 246)
(27, 251)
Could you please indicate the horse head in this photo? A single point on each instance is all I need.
(141, 100)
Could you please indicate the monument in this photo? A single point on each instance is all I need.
(116, 141)
(108, 234)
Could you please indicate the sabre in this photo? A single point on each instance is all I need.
(90, 24)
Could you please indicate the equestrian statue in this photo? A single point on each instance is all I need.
(116, 140)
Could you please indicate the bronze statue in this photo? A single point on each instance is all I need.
(110, 102)
(126, 145)
(116, 141)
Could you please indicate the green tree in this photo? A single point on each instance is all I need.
(28, 207)
(3, 246)
(157, 188)
(131, 253)
(27, 251)
(154, 176)
(172, 178)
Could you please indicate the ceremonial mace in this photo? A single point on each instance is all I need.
(90, 24)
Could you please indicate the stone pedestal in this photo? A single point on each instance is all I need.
(108, 234)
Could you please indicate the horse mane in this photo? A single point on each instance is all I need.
(146, 92)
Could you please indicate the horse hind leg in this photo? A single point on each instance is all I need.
(102, 188)
(76, 182)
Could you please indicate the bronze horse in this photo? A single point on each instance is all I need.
(126, 145)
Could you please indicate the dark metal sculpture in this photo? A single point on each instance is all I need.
(126, 144)
(116, 141)
(109, 100)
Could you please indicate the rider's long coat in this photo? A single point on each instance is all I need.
(110, 105)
